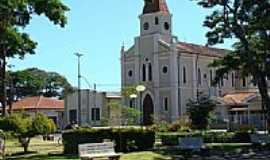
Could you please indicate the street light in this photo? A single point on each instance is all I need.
(79, 87)
(140, 89)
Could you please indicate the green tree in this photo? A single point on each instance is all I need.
(24, 127)
(15, 15)
(35, 82)
(199, 111)
(124, 115)
(248, 22)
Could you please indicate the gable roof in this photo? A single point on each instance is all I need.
(41, 102)
(201, 50)
(238, 98)
(153, 6)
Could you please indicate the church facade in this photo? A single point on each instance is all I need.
(172, 71)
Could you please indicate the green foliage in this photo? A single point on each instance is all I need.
(199, 111)
(162, 126)
(248, 21)
(42, 125)
(128, 90)
(127, 116)
(171, 138)
(35, 82)
(126, 139)
(18, 43)
(24, 127)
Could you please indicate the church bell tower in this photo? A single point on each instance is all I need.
(155, 18)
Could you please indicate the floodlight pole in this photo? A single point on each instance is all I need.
(79, 88)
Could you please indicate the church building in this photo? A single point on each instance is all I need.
(172, 71)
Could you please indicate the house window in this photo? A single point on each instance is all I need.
(144, 72)
(150, 72)
(211, 78)
(199, 77)
(244, 82)
(73, 116)
(222, 82)
(166, 103)
(184, 75)
(156, 21)
(95, 114)
(233, 80)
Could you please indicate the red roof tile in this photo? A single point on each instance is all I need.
(153, 6)
(38, 103)
(202, 50)
(238, 98)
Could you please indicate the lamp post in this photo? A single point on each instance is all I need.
(140, 89)
(79, 87)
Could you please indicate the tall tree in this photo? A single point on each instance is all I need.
(36, 82)
(247, 21)
(14, 16)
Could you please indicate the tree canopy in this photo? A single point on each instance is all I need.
(24, 127)
(248, 22)
(36, 82)
(16, 14)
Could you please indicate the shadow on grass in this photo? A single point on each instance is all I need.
(43, 157)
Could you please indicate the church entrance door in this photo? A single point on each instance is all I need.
(148, 110)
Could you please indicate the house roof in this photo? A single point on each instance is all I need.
(153, 6)
(113, 95)
(41, 102)
(238, 98)
(202, 50)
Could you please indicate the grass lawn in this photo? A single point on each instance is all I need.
(45, 150)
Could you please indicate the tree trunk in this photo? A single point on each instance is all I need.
(263, 89)
(25, 143)
(3, 78)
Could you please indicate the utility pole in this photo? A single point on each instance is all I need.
(79, 88)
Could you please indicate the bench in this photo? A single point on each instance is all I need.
(191, 143)
(91, 151)
(260, 139)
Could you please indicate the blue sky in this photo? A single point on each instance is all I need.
(98, 28)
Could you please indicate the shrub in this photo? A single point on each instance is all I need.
(24, 127)
(171, 139)
(163, 126)
(126, 139)
(199, 111)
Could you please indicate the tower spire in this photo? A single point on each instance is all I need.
(153, 6)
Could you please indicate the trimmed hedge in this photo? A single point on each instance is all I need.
(125, 139)
(171, 139)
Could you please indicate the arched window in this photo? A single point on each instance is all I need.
(131, 103)
(199, 77)
(144, 72)
(166, 103)
(156, 21)
(184, 75)
(150, 72)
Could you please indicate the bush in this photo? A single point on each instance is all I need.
(126, 139)
(171, 139)
(24, 127)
